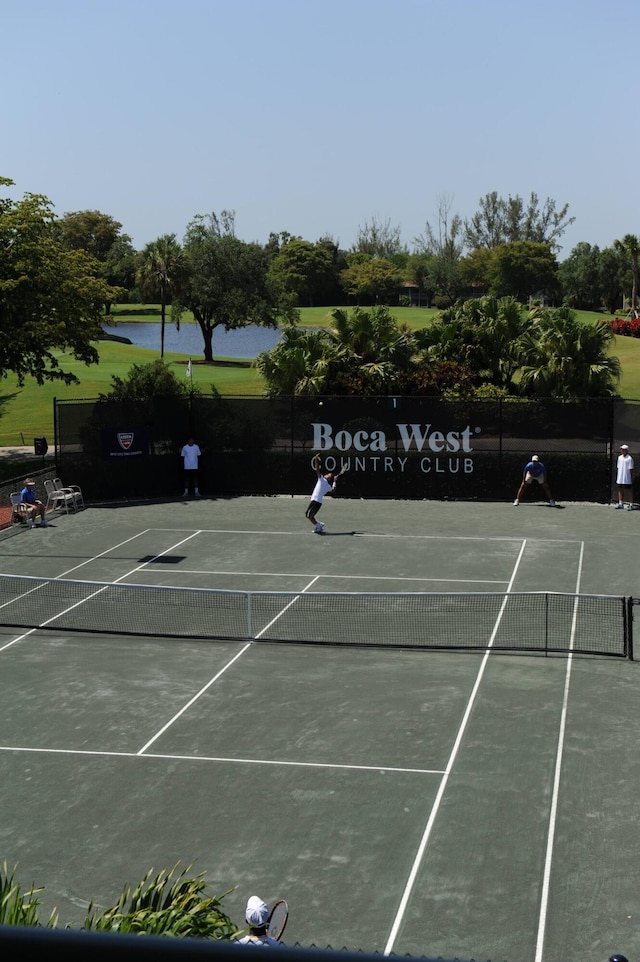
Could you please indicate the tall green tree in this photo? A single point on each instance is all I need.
(522, 269)
(613, 277)
(304, 269)
(378, 239)
(418, 271)
(227, 280)
(51, 298)
(161, 271)
(629, 247)
(443, 243)
(499, 221)
(374, 280)
(101, 236)
(579, 276)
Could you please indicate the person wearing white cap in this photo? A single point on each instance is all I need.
(534, 471)
(257, 916)
(32, 506)
(624, 477)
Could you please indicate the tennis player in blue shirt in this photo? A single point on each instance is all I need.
(534, 473)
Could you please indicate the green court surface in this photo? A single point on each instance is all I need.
(477, 804)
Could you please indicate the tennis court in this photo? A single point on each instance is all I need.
(478, 804)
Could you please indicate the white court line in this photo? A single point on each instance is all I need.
(335, 577)
(103, 588)
(404, 901)
(216, 676)
(373, 534)
(192, 700)
(553, 812)
(220, 758)
(286, 608)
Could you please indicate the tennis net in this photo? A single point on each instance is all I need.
(524, 621)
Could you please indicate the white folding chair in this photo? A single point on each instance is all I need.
(18, 514)
(73, 490)
(58, 499)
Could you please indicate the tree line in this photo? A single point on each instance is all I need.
(58, 276)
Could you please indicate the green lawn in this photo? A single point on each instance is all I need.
(27, 412)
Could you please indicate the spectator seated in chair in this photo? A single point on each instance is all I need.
(33, 507)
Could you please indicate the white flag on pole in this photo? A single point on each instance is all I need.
(189, 368)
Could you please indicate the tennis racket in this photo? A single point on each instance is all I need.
(278, 919)
(343, 470)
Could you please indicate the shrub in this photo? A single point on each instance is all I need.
(626, 326)
(17, 908)
(171, 903)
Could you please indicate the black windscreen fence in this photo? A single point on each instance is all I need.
(395, 447)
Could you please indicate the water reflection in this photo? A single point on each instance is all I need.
(246, 342)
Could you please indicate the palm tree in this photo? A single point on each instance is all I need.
(482, 334)
(630, 247)
(370, 348)
(298, 364)
(160, 273)
(564, 358)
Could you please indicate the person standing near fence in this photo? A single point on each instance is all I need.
(624, 477)
(190, 454)
(534, 472)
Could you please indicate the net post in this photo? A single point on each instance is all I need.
(546, 624)
(629, 626)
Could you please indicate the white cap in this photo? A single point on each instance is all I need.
(535, 458)
(624, 447)
(257, 913)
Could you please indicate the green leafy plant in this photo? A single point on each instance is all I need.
(16, 907)
(169, 903)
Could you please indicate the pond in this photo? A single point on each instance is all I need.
(246, 342)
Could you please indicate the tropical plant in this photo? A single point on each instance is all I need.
(363, 351)
(169, 903)
(482, 334)
(564, 358)
(298, 364)
(160, 273)
(16, 907)
(369, 350)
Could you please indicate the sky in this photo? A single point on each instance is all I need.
(319, 118)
